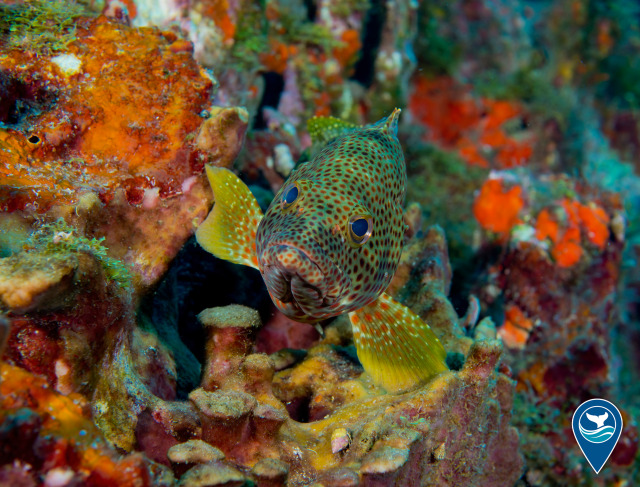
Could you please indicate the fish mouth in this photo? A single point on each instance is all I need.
(304, 284)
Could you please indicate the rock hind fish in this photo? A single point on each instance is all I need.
(330, 242)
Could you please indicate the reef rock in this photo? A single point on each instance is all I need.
(116, 145)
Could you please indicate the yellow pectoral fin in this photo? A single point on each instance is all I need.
(229, 231)
(396, 348)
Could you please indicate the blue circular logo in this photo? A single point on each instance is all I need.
(597, 424)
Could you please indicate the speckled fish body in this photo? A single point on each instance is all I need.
(310, 263)
(330, 243)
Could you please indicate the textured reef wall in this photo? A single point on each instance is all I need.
(134, 358)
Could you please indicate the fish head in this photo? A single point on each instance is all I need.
(300, 252)
(330, 241)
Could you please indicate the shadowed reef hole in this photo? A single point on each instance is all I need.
(196, 281)
(20, 100)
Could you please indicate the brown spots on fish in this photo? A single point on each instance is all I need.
(359, 172)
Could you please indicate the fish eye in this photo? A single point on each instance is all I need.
(360, 229)
(290, 195)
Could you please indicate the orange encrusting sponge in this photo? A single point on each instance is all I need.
(515, 331)
(567, 249)
(497, 208)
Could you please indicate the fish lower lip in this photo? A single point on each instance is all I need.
(278, 283)
(292, 275)
(291, 288)
(306, 296)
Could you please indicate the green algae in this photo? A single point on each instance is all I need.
(41, 26)
(253, 34)
(438, 51)
(407, 422)
(311, 34)
(444, 185)
(250, 39)
(531, 85)
(344, 8)
(118, 399)
(59, 238)
(14, 232)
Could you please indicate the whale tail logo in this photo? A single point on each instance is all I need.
(598, 415)
(597, 444)
(599, 420)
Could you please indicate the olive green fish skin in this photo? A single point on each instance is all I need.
(311, 267)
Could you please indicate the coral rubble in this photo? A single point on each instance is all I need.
(49, 437)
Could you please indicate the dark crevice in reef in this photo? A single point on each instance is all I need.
(196, 281)
(455, 360)
(298, 409)
(371, 38)
(312, 10)
(273, 88)
(460, 289)
(20, 100)
(467, 273)
(348, 353)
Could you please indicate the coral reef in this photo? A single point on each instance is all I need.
(106, 143)
(546, 254)
(288, 418)
(41, 26)
(130, 357)
(48, 438)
